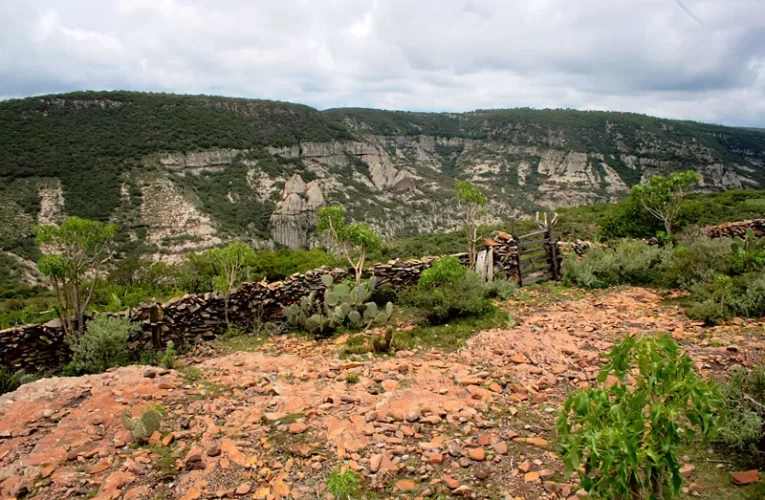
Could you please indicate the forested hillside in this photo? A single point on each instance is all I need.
(183, 173)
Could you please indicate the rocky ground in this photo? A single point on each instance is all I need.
(275, 421)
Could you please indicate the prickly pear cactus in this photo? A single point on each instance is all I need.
(342, 305)
(142, 428)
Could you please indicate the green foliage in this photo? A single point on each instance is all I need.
(697, 262)
(749, 252)
(351, 378)
(9, 382)
(630, 262)
(103, 345)
(448, 301)
(343, 305)
(628, 219)
(355, 240)
(717, 300)
(744, 406)
(71, 250)
(89, 139)
(624, 437)
(501, 288)
(229, 262)
(663, 196)
(471, 201)
(168, 358)
(343, 485)
(142, 428)
(441, 272)
(468, 194)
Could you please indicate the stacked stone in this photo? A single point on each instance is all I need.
(34, 348)
(195, 318)
(737, 229)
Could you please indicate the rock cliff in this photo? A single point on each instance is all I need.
(258, 170)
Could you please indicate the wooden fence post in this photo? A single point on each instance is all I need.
(156, 326)
(553, 252)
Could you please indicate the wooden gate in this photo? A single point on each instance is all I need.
(537, 257)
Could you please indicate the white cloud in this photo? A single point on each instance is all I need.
(444, 55)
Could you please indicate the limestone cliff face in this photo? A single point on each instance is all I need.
(403, 184)
(295, 216)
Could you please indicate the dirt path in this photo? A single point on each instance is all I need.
(274, 423)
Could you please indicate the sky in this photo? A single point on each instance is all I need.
(691, 59)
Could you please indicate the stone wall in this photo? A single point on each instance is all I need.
(195, 318)
(733, 229)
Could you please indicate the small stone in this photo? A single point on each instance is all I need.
(150, 373)
(463, 491)
(451, 482)
(501, 448)
(405, 485)
(531, 477)
(374, 462)
(297, 428)
(478, 454)
(243, 489)
(695, 488)
(213, 450)
(436, 458)
(746, 477)
(687, 470)
(482, 471)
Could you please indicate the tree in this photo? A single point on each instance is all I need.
(471, 201)
(71, 253)
(229, 262)
(624, 437)
(663, 196)
(355, 240)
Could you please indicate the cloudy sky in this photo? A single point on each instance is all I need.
(696, 59)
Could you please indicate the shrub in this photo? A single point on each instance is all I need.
(744, 405)
(103, 345)
(466, 297)
(624, 437)
(443, 271)
(630, 262)
(501, 289)
(697, 262)
(343, 485)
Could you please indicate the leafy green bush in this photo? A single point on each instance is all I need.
(443, 271)
(103, 345)
(444, 302)
(630, 262)
(697, 262)
(744, 405)
(722, 297)
(624, 437)
(500, 288)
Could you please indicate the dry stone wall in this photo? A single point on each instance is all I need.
(737, 229)
(195, 318)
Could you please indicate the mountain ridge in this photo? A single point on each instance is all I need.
(182, 173)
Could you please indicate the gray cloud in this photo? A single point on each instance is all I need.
(648, 56)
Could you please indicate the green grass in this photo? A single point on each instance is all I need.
(716, 482)
(245, 343)
(450, 336)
